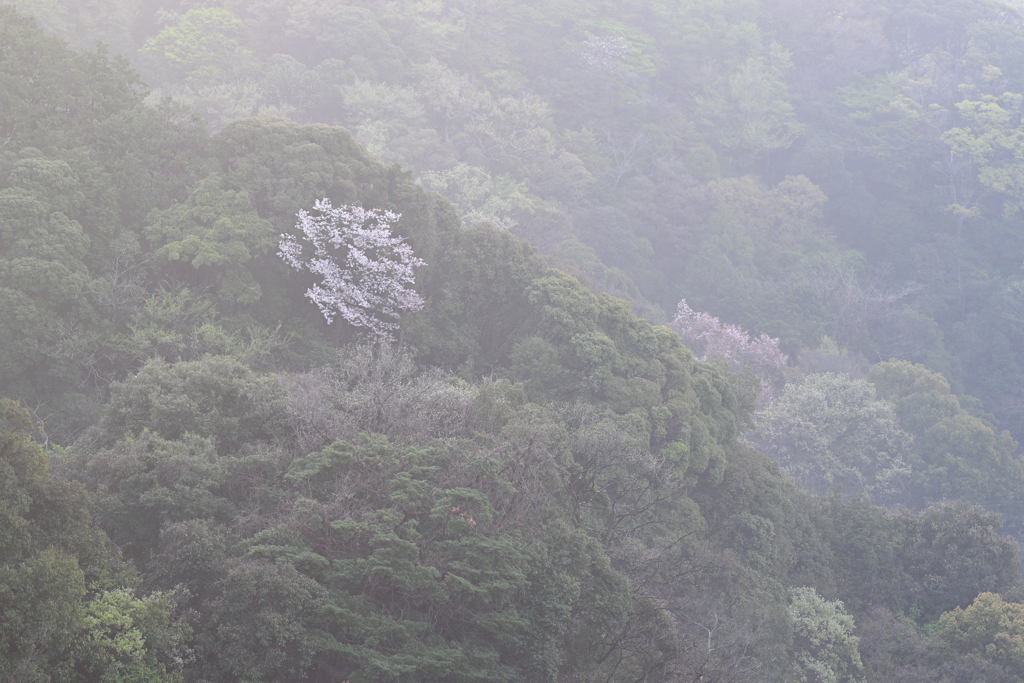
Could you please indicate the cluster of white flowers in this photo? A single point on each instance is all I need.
(366, 272)
(604, 52)
(704, 335)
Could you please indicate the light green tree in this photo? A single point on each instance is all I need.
(216, 232)
(67, 605)
(990, 628)
(127, 639)
(478, 197)
(749, 114)
(956, 454)
(377, 113)
(448, 95)
(831, 429)
(203, 48)
(48, 320)
(824, 648)
(780, 221)
(83, 22)
(988, 150)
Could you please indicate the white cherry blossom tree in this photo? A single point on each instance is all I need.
(366, 273)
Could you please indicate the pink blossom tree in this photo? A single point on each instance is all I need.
(705, 335)
(366, 273)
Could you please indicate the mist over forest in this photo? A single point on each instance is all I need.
(466, 341)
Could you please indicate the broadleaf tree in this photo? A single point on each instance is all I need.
(705, 335)
(366, 273)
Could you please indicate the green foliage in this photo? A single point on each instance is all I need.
(960, 543)
(179, 325)
(42, 598)
(65, 597)
(610, 161)
(896, 380)
(556, 493)
(257, 626)
(991, 628)
(987, 341)
(990, 142)
(911, 562)
(956, 454)
(217, 398)
(823, 641)
(830, 430)
(216, 232)
(781, 222)
(750, 112)
(203, 47)
(349, 33)
(145, 483)
(421, 572)
(475, 325)
(42, 277)
(893, 649)
(81, 24)
(79, 95)
(535, 521)
(132, 639)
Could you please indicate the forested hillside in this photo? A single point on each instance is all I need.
(485, 341)
(840, 167)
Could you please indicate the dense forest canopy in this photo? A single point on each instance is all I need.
(488, 341)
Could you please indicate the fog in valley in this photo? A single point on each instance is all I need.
(466, 341)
